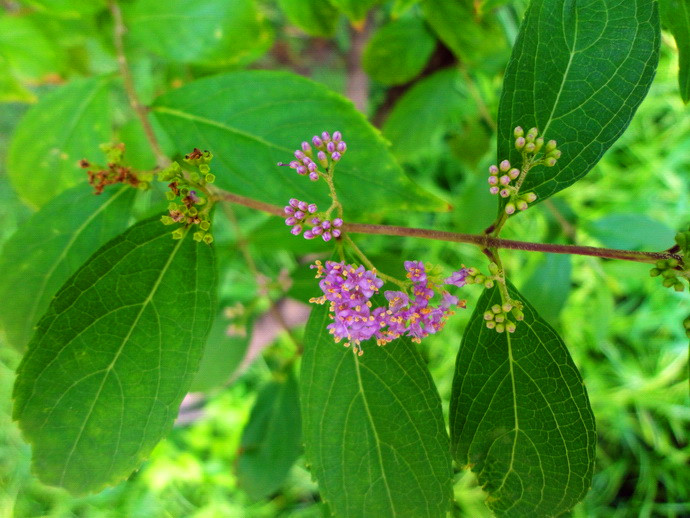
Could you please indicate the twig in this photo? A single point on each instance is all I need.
(481, 240)
(140, 110)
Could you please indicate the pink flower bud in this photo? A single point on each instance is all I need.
(510, 208)
(335, 156)
(302, 205)
(299, 215)
(521, 205)
(493, 180)
(316, 141)
(299, 155)
(493, 170)
(313, 176)
(514, 173)
(335, 232)
(294, 202)
(505, 193)
(325, 136)
(504, 166)
(326, 236)
(530, 197)
(341, 147)
(301, 170)
(312, 208)
(289, 210)
(519, 143)
(323, 160)
(315, 221)
(290, 221)
(295, 231)
(316, 231)
(337, 222)
(504, 180)
(306, 147)
(518, 132)
(294, 164)
(494, 190)
(330, 147)
(337, 136)
(308, 234)
(326, 225)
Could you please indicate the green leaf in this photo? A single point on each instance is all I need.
(114, 356)
(578, 72)
(520, 416)
(355, 10)
(398, 51)
(418, 121)
(48, 248)
(253, 119)
(373, 428)
(676, 16)
(314, 17)
(27, 50)
(272, 439)
(11, 89)
(72, 122)
(457, 26)
(549, 286)
(400, 7)
(223, 354)
(67, 8)
(632, 232)
(215, 33)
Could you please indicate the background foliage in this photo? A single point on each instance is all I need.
(620, 327)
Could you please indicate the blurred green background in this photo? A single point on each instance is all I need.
(623, 329)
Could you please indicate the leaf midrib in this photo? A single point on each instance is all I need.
(109, 368)
(374, 430)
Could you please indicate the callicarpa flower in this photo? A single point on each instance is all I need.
(326, 150)
(296, 213)
(349, 288)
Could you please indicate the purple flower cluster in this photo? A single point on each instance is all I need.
(327, 149)
(349, 289)
(296, 213)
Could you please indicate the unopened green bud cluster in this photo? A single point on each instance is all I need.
(188, 196)
(474, 276)
(505, 180)
(683, 242)
(669, 270)
(498, 317)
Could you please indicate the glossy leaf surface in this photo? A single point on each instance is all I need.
(271, 440)
(113, 357)
(72, 122)
(373, 428)
(520, 417)
(578, 72)
(252, 120)
(48, 248)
